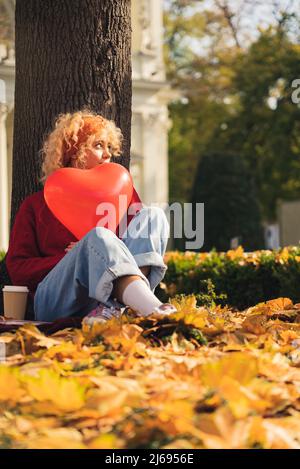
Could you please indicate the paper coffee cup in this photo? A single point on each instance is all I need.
(15, 301)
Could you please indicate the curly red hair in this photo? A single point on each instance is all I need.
(73, 134)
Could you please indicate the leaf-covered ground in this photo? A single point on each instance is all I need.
(197, 379)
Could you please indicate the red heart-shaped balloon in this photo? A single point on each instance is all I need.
(82, 199)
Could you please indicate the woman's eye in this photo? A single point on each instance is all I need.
(98, 146)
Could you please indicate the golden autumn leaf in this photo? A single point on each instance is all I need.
(241, 400)
(30, 331)
(70, 350)
(277, 369)
(198, 320)
(110, 384)
(64, 393)
(127, 338)
(221, 430)
(238, 366)
(10, 387)
(185, 305)
(279, 304)
(96, 330)
(180, 412)
(255, 324)
(58, 438)
(271, 307)
(257, 437)
(279, 436)
(105, 441)
(117, 335)
(110, 405)
(30, 423)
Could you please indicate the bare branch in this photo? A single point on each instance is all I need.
(229, 16)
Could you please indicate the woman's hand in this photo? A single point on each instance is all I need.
(70, 246)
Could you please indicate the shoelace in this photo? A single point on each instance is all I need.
(107, 313)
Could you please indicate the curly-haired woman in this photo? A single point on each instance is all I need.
(99, 274)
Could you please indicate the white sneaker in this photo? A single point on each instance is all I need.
(101, 314)
(165, 308)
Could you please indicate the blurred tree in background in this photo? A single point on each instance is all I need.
(235, 80)
(266, 128)
(223, 182)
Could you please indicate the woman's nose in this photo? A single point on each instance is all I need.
(106, 154)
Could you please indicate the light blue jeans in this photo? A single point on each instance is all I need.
(85, 275)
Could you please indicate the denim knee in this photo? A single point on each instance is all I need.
(101, 235)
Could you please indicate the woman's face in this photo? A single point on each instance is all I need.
(99, 153)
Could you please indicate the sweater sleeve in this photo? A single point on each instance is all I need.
(135, 199)
(25, 264)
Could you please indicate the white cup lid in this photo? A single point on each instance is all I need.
(13, 288)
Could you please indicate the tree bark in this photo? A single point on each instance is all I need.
(70, 54)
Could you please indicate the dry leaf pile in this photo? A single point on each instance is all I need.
(197, 379)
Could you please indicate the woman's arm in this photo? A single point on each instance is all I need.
(25, 264)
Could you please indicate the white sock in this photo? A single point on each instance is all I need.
(138, 296)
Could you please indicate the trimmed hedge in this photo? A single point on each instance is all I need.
(235, 278)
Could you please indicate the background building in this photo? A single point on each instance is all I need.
(151, 94)
(289, 222)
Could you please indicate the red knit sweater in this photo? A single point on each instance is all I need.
(38, 241)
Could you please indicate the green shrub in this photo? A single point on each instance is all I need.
(236, 278)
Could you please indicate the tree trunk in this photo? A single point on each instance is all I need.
(70, 54)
